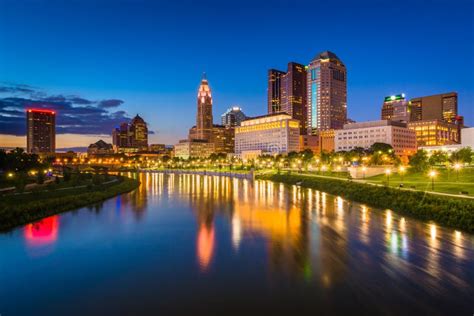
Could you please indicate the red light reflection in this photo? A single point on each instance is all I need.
(43, 232)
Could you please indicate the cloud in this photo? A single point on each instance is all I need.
(75, 114)
(112, 103)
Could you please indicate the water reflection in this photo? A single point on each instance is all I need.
(297, 246)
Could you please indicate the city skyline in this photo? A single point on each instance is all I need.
(415, 73)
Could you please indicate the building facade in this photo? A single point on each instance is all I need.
(100, 148)
(396, 108)
(204, 120)
(40, 131)
(365, 134)
(131, 137)
(435, 107)
(326, 93)
(139, 133)
(269, 134)
(435, 132)
(274, 91)
(233, 117)
(196, 148)
(291, 98)
(327, 140)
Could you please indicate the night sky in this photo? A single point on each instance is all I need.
(100, 62)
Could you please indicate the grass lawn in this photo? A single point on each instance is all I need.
(445, 182)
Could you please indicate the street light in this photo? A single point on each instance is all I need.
(457, 166)
(387, 172)
(432, 175)
(364, 169)
(401, 170)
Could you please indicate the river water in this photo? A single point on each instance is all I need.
(183, 244)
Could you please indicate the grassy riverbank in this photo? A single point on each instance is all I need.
(18, 209)
(453, 212)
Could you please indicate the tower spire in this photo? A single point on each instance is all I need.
(204, 76)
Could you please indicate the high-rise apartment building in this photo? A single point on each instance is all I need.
(435, 107)
(274, 90)
(204, 120)
(233, 117)
(396, 108)
(40, 131)
(291, 97)
(326, 93)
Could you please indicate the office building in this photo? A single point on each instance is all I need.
(40, 131)
(310, 142)
(196, 148)
(467, 140)
(204, 120)
(233, 117)
(131, 137)
(269, 134)
(274, 90)
(365, 134)
(138, 131)
(436, 132)
(291, 98)
(435, 107)
(223, 139)
(326, 140)
(326, 93)
(396, 108)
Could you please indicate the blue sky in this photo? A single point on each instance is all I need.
(151, 54)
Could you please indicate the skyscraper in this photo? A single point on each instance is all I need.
(326, 93)
(287, 92)
(204, 121)
(41, 131)
(274, 90)
(233, 117)
(293, 94)
(138, 133)
(396, 108)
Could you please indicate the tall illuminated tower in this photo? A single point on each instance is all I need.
(327, 93)
(40, 131)
(204, 121)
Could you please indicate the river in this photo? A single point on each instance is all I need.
(183, 244)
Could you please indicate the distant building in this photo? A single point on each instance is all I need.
(365, 134)
(326, 93)
(396, 108)
(310, 142)
(139, 133)
(269, 134)
(327, 140)
(204, 121)
(40, 131)
(291, 97)
(233, 117)
(435, 132)
(467, 140)
(223, 139)
(157, 148)
(100, 148)
(197, 148)
(442, 107)
(274, 90)
(131, 137)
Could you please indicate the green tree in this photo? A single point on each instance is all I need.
(419, 161)
(463, 155)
